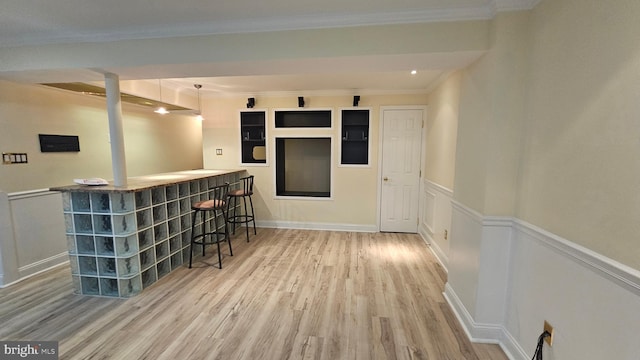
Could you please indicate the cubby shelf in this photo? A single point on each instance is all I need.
(355, 137)
(253, 137)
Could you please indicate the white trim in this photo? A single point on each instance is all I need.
(429, 221)
(43, 264)
(29, 194)
(37, 264)
(522, 234)
(483, 333)
(331, 138)
(303, 198)
(329, 92)
(617, 272)
(479, 333)
(238, 26)
(621, 274)
(608, 268)
(440, 255)
(428, 230)
(470, 213)
(315, 226)
(445, 191)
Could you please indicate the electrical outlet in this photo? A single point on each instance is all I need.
(549, 329)
(218, 151)
(446, 234)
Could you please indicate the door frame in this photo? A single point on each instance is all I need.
(380, 151)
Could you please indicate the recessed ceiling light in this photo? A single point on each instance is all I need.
(413, 72)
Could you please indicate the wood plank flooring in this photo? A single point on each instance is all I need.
(289, 294)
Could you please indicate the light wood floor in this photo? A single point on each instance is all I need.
(289, 294)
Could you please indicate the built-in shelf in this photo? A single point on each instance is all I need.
(253, 137)
(303, 118)
(355, 137)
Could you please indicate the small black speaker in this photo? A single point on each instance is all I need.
(300, 101)
(251, 102)
(356, 100)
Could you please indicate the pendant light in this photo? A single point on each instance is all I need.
(161, 109)
(199, 114)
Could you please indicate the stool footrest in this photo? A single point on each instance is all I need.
(240, 218)
(224, 237)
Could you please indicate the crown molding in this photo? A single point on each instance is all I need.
(483, 12)
(306, 93)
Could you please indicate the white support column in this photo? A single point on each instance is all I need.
(116, 133)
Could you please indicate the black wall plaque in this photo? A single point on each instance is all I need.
(59, 143)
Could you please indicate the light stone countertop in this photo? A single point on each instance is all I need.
(148, 181)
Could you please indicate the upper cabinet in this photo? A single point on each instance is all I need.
(355, 137)
(253, 137)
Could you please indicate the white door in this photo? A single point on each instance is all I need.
(401, 146)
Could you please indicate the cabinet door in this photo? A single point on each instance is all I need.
(355, 137)
(253, 137)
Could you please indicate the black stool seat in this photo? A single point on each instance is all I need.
(217, 202)
(245, 191)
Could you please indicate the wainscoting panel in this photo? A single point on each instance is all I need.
(435, 219)
(36, 240)
(592, 301)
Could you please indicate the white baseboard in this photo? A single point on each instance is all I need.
(435, 248)
(316, 226)
(570, 274)
(36, 268)
(483, 333)
(43, 264)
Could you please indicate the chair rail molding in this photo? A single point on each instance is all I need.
(506, 276)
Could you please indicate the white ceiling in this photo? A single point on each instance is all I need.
(40, 22)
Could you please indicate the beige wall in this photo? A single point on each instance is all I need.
(355, 188)
(441, 132)
(491, 120)
(581, 166)
(548, 124)
(153, 143)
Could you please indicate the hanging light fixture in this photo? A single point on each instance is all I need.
(161, 109)
(199, 114)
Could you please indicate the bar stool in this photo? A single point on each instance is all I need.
(244, 192)
(218, 201)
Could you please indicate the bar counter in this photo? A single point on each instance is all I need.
(123, 239)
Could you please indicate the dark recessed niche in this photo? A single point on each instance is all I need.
(253, 137)
(355, 137)
(59, 143)
(303, 119)
(303, 167)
